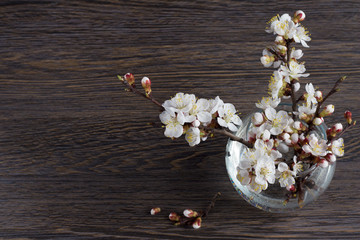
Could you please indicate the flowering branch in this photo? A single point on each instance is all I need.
(183, 113)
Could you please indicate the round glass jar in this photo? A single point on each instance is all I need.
(272, 199)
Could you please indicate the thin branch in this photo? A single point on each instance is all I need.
(293, 98)
(132, 88)
(211, 205)
(230, 135)
(276, 54)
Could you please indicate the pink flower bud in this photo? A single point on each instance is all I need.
(318, 121)
(285, 136)
(330, 157)
(174, 217)
(282, 49)
(190, 213)
(338, 127)
(299, 16)
(266, 135)
(306, 148)
(280, 40)
(129, 77)
(295, 138)
(267, 60)
(296, 86)
(146, 84)
(283, 148)
(197, 223)
(318, 96)
(196, 123)
(298, 125)
(290, 188)
(257, 119)
(348, 117)
(154, 211)
(328, 110)
(323, 163)
(302, 137)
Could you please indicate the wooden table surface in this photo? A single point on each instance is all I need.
(78, 159)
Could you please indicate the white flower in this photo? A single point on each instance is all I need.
(265, 171)
(316, 147)
(267, 147)
(276, 84)
(199, 110)
(310, 94)
(297, 166)
(174, 128)
(284, 175)
(192, 136)
(243, 176)
(294, 71)
(215, 104)
(305, 111)
(268, 102)
(255, 187)
(337, 147)
(301, 36)
(278, 120)
(283, 26)
(180, 103)
(296, 54)
(250, 157)
(228, 118)
(257, 119)
(268, 59)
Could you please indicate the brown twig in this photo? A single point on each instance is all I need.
(276, 54)
(132, 88)
(293, 98)
(211, 205)
(230, 135)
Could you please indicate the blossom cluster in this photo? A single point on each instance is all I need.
(185, 114)
(276, 133)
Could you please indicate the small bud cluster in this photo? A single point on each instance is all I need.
(129, 79)
(189, 217)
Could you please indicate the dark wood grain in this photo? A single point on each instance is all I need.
(77, 157)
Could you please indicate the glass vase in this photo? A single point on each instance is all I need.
(273, 198)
